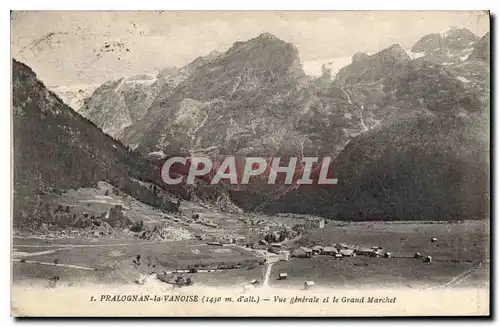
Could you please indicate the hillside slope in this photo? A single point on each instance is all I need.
(55, 149)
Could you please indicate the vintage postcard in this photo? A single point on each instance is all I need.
(250, 164)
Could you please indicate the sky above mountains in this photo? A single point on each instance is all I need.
(68, 47)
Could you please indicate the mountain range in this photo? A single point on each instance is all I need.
(409, 137)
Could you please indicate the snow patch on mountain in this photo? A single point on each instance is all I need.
(74, 95)
(414, 55)
(463, 79)
(314, 67)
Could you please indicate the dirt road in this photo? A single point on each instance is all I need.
(55, 264)
(461, 277)
(267, 275)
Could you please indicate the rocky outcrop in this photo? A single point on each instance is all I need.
(447, 48)
(481, 49)
(118, 104)
(252, 99)
(365, 68)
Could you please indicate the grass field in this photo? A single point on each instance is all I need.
(366, 272)
(459, 249)
(115, 260)
(101, 199)
(456, 256)
(467, 241)
(237, 277)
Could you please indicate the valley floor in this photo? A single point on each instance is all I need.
(460, 259)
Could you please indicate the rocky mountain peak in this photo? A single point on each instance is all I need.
(267, 36)
(397, 51)
(261, 61)
(265, 42)
(481, 49)
(372, 67)
(447, 48)
(460, 38)
(359, 56)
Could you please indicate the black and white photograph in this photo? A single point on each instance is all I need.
(250, 163)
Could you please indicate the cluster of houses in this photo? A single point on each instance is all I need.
(339, 251)
(208, 223)
(221, 239)
(343, 250)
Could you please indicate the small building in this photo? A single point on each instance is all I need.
(255, 282)
(240, 239)
(284, 255)
(282, 276)
(347, 253)
(434, 239)
(274, 249)
(428, 259)
(388, 255)
(200, 236)
(330, 250)
(211, 224)
(364, 251)
(318, 249)
(342, 246)
(375, 253)
(302, 252)
(309, 284)
(417, 255)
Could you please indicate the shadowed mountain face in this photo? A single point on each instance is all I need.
(56, 149)
(425, 154)
(409, 137)
(481, 49)
(420, 168)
